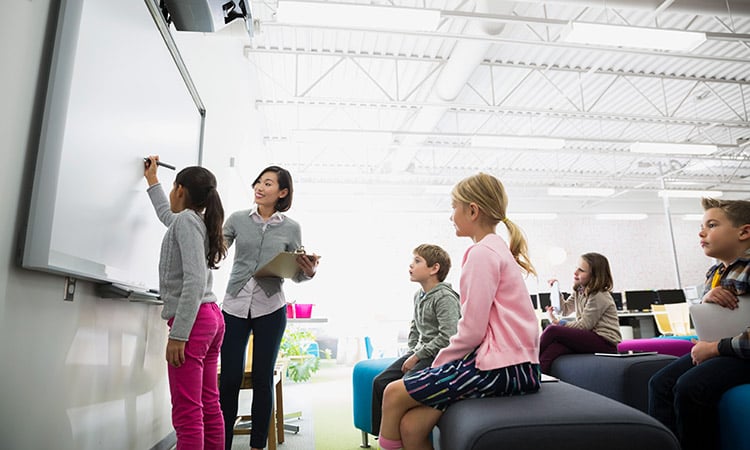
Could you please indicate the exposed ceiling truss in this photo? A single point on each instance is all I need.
(340, 81)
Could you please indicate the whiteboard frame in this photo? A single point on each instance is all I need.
(38, 240)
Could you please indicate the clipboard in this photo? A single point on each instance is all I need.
(283, 265)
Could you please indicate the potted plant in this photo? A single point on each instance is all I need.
(300, 364)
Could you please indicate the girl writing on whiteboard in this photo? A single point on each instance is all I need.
(257, 305)
(192, 245)
(596, 327)
(496, 348)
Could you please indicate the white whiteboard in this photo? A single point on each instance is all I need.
(115, 95)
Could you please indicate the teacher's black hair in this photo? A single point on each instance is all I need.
(285, 182)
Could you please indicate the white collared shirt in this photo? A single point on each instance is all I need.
(252, 301)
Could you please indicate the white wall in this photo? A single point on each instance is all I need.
(639, 252)
(87, 374)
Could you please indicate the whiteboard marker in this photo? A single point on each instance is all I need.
(159, 163)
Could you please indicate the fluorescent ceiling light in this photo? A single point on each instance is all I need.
(630, 36)
(580, 192)
(689, 193)
(357, 16)
(672, 148)
(621, 216)
(517, 142)
(532, 216)
(369, 137)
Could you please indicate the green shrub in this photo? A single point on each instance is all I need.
(294, 346)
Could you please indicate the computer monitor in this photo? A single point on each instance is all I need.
(544, 301)
(671, 296)
(534, 301)
(617, 296)
(640, 300)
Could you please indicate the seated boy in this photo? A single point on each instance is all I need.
(436, 314)
(684, 395)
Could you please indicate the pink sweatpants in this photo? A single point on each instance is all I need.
(196, 414)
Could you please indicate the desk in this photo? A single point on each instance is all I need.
(309, 320)
(643, 323)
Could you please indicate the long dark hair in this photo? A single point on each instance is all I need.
(200, 185)
(285, 182)
(601, 276)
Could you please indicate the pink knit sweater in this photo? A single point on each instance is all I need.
(497, 316)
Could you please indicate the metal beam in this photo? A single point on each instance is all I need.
(484, 109)
(437, 175)
(520, 42)
(530, 20)
(504, 64)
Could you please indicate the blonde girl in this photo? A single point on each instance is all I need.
(495, 351)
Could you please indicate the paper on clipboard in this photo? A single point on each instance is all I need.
(283, 265)
(554, 296)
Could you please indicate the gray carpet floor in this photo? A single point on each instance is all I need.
(295, 401)
(328, 397)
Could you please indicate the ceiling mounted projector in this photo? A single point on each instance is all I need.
(207, 15)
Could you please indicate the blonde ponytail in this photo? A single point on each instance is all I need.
(489, 194)
(518, 246)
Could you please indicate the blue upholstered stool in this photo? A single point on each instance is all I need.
(733, 412)
(362, 375)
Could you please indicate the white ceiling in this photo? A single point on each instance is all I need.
(396, 110)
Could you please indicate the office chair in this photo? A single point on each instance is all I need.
(662, 320)
(679, 318)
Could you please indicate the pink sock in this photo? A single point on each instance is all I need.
(389, 444)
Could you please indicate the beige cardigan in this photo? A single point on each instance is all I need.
(596, 312)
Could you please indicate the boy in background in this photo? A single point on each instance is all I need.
(436, 313)
(685, 395)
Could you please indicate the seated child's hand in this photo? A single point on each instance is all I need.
(722, 297)
(703, 351)
(409, 363)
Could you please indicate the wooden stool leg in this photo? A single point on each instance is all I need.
(279, 412)
(272, 433)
